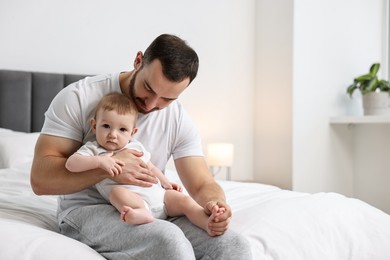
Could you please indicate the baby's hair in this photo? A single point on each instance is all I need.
(119, 103)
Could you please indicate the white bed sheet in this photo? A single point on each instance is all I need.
(28, 225)
(278, 224)
(283, 224)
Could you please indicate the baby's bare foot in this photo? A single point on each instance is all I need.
(136, 216)
(220, 211)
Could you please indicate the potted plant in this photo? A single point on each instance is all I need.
(375, 92)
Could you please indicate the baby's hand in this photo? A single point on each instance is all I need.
(111, 165)
(166, 185)
(177, 187)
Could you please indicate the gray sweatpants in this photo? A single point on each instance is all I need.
(99, 227)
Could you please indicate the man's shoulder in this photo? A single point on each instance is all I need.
(100, 78)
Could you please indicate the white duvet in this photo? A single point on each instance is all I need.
(278, 224)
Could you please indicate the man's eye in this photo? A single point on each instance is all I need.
(167, 100)
(106, 126)
(148, 89)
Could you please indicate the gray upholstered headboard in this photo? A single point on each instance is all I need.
(25, 96)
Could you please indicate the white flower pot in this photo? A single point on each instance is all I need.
(376, 103)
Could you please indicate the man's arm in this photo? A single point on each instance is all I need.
(200, 184)
(49, 175)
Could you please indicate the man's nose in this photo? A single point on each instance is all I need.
(151, 102)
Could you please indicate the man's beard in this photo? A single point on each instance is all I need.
(138, 101)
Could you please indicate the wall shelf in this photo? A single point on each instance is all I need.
(351, 120)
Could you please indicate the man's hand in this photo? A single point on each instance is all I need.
(221, 222)
(135, 171)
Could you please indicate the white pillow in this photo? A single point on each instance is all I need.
(16, 147)
(5, 131)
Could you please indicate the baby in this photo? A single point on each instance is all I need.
(114, 125)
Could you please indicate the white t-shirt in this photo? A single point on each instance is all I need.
(167, 132)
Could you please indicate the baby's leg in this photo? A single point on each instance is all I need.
(131, 206)
(178, 204)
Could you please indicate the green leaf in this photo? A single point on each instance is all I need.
(351, 89)
(372, 85)
(365, 77)
(374, 69)
(384, 85)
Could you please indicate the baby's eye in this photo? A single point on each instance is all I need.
(123, 129)
(106, 126)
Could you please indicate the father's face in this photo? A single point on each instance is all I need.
(152, 90)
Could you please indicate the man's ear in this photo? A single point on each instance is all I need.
(93, 125)
(138, 60)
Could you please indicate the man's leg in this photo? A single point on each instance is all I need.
(99, 227)
(228, 246)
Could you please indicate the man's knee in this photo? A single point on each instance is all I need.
(169, 240)
(231, 245)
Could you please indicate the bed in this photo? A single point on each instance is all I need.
(278, 224)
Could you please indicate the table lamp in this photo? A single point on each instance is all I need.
(220, 155)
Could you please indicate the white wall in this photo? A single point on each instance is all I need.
(273, 92)
(307, 53)
(334, 41)
(96, 36)
(371, 161)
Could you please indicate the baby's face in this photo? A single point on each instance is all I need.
(113, 131)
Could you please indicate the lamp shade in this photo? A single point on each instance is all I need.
(220, 154)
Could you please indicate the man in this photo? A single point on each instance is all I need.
(159, 76)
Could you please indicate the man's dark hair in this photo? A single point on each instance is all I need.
(177, 58)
